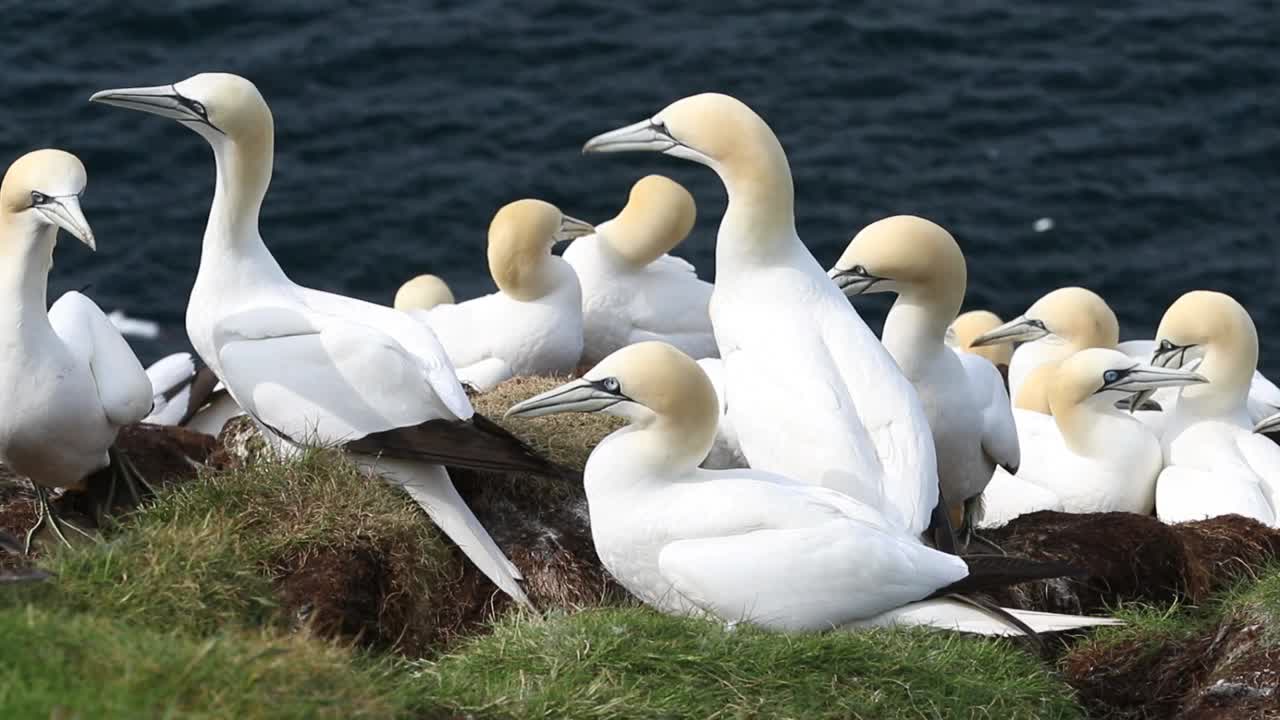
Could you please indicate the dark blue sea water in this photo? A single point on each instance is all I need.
(1149, 133)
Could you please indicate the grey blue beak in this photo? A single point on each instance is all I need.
(1019, 329)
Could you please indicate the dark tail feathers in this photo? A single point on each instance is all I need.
(992, 572)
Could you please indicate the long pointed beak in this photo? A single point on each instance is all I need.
(644, 135)
(162, 100)
(853, 283)
(1146, 378)
(1268, 424)
(572, 228)
(65, 212)
(577, 396)
(1019, 329)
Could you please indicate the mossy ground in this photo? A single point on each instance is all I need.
(302, 589)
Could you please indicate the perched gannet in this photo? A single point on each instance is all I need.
(963, 395)
(1214, 463)
(423, 293)
(1088, 455)
(968, 326)
(315, 368)
(179, 389)
(632, 290)
(739, 545)
(68, 380)
(810, 391)
(1264, 396)
(533, 324)
(1054, 328)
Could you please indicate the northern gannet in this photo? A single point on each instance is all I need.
(533, 324)
(180, 388)
(423, 293)
(1054, 328)
(963, 394)
(1214, 463)
(1088, 456)
(315, 368)
(810, 391)
(68, 380)
(968, 326)
(632, 290)
(739, 545)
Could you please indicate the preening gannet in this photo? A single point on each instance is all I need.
(533, 324)
(68, 380)
(632, 290)
(1054, 328)
(423, 293)
(1214, 463)
(313, 367)
(179, 387)
(810, 391)
(1088, 455)
(738, 545)
(968, 326)
(963, 395)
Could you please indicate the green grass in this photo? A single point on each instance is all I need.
(205, 554)
(77, 665)
(635, 663)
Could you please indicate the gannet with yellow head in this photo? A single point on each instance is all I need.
(1214, 463)
(963, 395)
(68, 380)
(316, 368)
(810, 391)
(744, 544)
(1090, 455)
(422, 293)
(1055, 327)
(533, 324)
(632, 289)
(968, 326)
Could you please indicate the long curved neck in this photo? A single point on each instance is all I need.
(26, 255)
(915, 329)
(243, 174)
(662, 447)
(1033, 393)
(759, 225)
(1229, 370)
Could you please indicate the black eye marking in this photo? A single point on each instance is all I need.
(858, 270)
(611, 384)
(661, 127)
(1165, 346)
(195, 106)
(39, 198)
(1038, 324)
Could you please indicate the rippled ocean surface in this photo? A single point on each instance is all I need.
(1149, 134)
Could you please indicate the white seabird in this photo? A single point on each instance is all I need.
(68, 380)
(1088, 455)
(744, 545)
(968, 326)
(632, 290)
(1214, 463)
(423, 293)
(533, 324)
(187, 393)
(963, 394)
(315, 368)
(810, 391)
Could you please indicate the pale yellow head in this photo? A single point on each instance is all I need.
(653, 385)
(658, 216)
(216, 105)
(520, 239)
(908, 255)
(1212, 326)
(41, 190)
(423, 293)
(1072, 317)
(968, 326)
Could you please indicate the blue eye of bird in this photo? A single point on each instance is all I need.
(611, 384)
(1110, 376)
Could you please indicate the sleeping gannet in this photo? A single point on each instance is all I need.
(533, 324)
(741, 545)
(423, 293)
(810, 391)
(1214, 463)
(1088, 456)
(315, 368)
(1054, 328)
(968, 326)
(632, 290)
(963, 395)
(68, 380)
